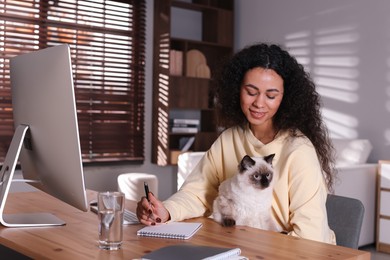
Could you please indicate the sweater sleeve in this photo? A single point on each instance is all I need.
(199, 190)
(307, 195)
(195, 197)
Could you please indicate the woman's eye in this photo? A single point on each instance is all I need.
(252, 93)
(271, 97)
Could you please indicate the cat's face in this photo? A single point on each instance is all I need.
(257, 171)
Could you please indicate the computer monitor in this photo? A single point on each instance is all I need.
(46, 139)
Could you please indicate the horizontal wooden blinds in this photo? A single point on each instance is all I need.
(107, 42)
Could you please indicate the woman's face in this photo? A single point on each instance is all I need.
(260, 96)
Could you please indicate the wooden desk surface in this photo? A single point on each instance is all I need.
(78, 238)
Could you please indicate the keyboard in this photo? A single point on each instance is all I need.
(129, 218)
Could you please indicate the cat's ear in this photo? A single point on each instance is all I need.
(246, 162)
(269, 158)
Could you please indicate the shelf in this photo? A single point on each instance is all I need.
(182, 80)
(217, 24)
(204, 5)
(181, 42)
(383, 208)
(189, 93)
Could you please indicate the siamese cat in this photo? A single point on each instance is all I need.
(246, 198)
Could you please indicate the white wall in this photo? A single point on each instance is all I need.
(352, 35)
(346, 47)
(104, 177)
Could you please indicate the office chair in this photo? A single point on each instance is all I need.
(345, 217)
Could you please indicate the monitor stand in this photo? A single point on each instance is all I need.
(6, 175)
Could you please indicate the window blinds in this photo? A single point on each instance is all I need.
(107, 41)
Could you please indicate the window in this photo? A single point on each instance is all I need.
(106, 39)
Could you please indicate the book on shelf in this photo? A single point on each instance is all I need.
(194, 252)
(183, 121)
(183, 125)
(176, 230)
(190, 126)
(184, 130)
(185, 143)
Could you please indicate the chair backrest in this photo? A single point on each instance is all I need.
(185, 164)
(132, 184)
(345, 217)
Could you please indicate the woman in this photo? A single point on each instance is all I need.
(268, 104)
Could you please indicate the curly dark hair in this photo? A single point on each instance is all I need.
(299, 110)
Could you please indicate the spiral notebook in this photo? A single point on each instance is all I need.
(193, 252)
(177, 230)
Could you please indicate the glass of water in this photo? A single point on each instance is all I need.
(110, 213)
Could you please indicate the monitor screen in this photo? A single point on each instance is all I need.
(45, 119)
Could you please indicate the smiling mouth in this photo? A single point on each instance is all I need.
(257, 115)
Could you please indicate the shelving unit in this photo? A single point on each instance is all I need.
(383, 208)
(180, 92)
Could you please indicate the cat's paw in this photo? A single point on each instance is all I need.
(228, 222)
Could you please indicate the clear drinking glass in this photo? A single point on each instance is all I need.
(110, 213)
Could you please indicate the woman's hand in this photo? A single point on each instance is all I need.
(152, 211)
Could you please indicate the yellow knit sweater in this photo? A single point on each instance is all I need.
(299, 192)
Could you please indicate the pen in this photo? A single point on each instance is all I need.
(146, 190)
(151, 216)
(147, 197)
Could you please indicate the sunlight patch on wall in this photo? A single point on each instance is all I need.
(298, 45)
(342, 84)
(338, 95)
(330, 55)
(338, 89)
(335, 63)
(387, 131)
(336, 72)
(388, 88)
(340, 125)
(337, 35)
(336, 50)
(387, 137)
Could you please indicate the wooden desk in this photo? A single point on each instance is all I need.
(78, 238)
